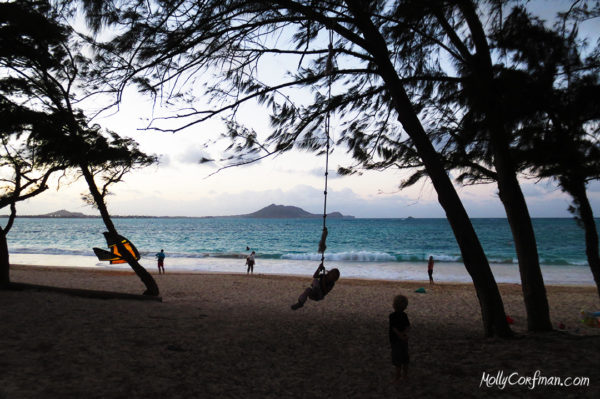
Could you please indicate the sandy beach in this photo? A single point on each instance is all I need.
(234, 336)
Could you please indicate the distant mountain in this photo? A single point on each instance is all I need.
(270, 212)
(64, 214)
(289, 212)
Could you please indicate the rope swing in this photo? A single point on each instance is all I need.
(323, 280)
(329, 70)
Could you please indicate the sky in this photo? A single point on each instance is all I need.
(180, 186)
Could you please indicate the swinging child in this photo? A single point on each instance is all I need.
(323, 282)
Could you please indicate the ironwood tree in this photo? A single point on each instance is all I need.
(558, 128)
(22, 178)
(24, 173)
(488, 103)
(45, 75)
(549, 109)
(476, 97)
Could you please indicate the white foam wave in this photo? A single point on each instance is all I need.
(353, 256)
(445, 258)
(416, 271)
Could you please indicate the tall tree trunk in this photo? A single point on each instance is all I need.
(4, 261)
(142, 273)
(4, 256)
(476, 263)
(591, 232)
(532, 282)
(474, 258)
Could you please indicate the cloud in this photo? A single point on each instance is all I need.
(540, 189)
(179, 189)
(306, 197)
(345, 201)
(164, 160)
(333, 174)
(482, 202)
(194, 155)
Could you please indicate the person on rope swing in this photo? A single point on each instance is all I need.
(322, 284)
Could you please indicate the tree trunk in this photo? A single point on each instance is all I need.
(476, 263)
(532, 282)
(4, 255)
(474, 258)
(142, 273)
(591, 233)
(4, 261)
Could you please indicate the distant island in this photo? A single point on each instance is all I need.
(58, 214)
(288, 212)
(65, 214)
(270, 212)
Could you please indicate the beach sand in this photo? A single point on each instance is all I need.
(234, 336)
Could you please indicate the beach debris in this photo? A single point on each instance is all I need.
(175, 348)
(590, 319)
(420, 290)
(510, 320)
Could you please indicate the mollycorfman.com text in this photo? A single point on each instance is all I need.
(501, 380)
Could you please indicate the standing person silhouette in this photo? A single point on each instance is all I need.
(398, 332)
(161, 261)
(430, 269)
(250, 263)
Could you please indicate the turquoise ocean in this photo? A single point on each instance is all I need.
(391, 249)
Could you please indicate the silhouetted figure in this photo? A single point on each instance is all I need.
(250, 263)
(161, 261)
(323, 282)
(430, 269)
(398, 332)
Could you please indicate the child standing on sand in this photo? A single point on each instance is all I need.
(323, 282)
(398, 331)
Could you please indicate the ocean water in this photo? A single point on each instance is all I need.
(366, 248)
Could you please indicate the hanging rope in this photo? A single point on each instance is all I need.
(329, 69)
